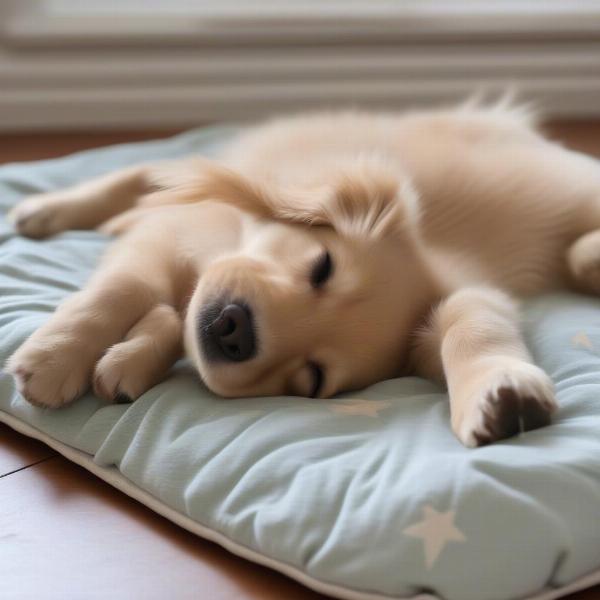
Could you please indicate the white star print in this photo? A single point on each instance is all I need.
(580, 339)
(436, 530)
(357, 406)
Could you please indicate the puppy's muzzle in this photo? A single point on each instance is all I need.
(227, 332)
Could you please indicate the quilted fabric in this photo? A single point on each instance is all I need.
(368, 492)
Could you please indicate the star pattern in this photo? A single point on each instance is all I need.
(357, 406)
(436, 530)
(581, 340)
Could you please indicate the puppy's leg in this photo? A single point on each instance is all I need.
(83, 206)
(130, 368)
(495, 390)
(583, 260)
(54, 366)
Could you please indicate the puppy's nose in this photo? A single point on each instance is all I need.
(233, 333)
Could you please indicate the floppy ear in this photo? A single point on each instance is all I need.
(365, 196)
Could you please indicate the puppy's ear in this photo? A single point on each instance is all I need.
(366, 198)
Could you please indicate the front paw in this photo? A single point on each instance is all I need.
(502, 402)
(39, 216)
(50, 371)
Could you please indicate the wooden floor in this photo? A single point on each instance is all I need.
(66, 535)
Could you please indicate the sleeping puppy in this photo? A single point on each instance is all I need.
(323, 253)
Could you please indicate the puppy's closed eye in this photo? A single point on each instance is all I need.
(318, 379)
(321, 270)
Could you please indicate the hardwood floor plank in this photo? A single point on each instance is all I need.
(37, 146)
(589, 594)
(583, 136)
(18, 452)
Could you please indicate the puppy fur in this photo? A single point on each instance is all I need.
(436, 224)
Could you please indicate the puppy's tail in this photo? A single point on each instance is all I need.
(505, 105)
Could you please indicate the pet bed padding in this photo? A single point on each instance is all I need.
(367, 495)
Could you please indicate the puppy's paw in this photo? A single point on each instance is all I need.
(143, 359)
(120, 375)
(129, 369)
(504, 402)
(39, 216)
(50, 371)
(583, 260)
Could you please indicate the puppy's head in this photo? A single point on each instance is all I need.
(323, 294)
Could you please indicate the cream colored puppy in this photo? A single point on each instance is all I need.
(323, 253)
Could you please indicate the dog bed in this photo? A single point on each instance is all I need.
(367, 495)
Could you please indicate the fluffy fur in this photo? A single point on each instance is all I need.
(437, 223)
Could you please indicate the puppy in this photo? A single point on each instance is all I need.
(323, 253)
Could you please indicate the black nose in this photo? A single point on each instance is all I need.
(232, 333)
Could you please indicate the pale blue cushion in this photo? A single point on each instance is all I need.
(369, 492)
